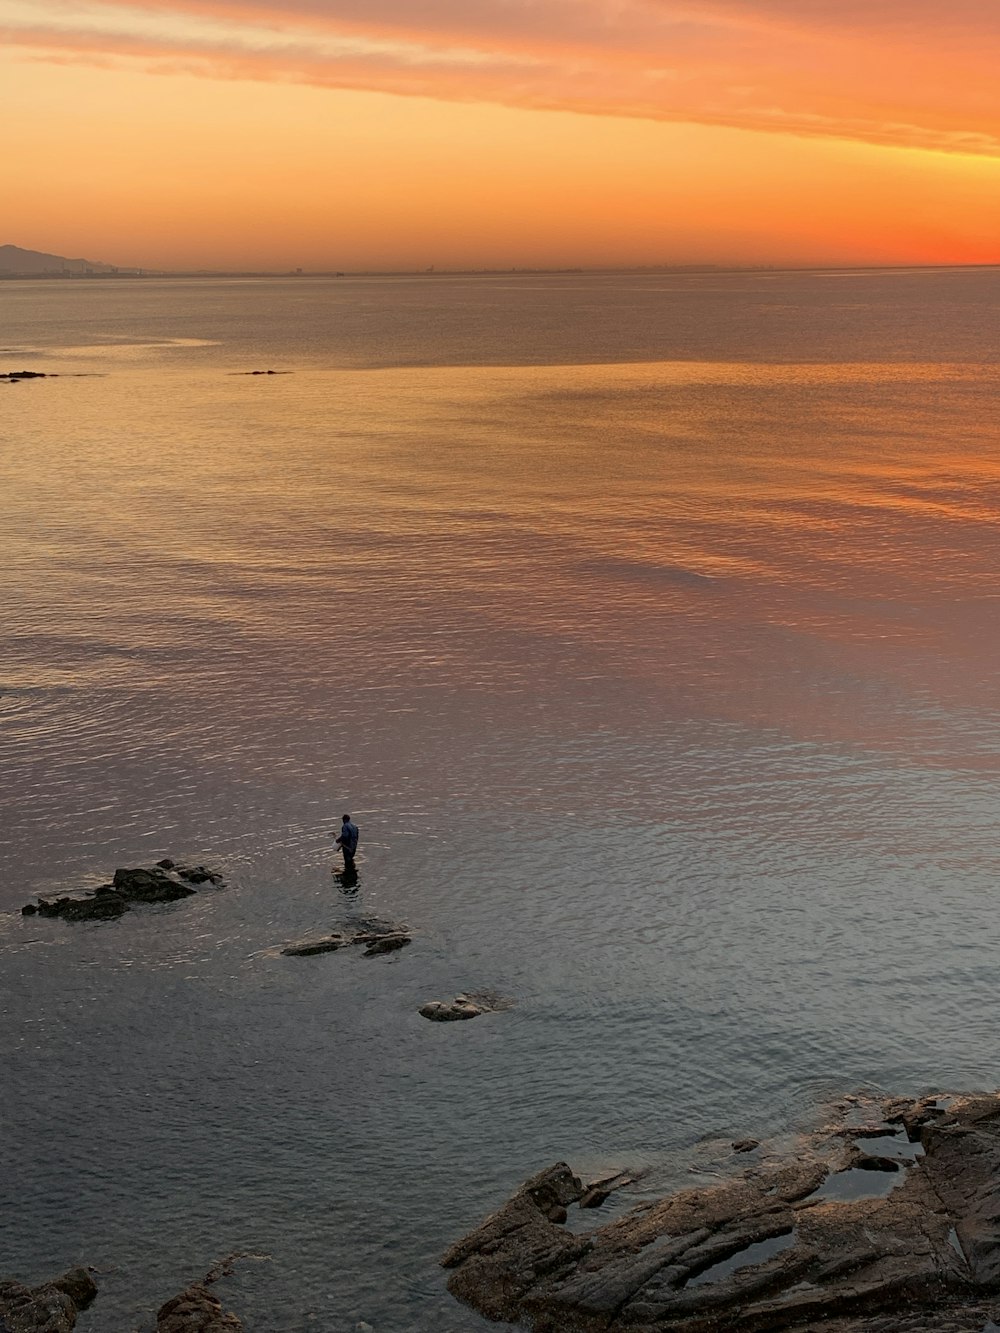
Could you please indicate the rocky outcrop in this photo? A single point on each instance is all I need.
(374, 937)
(49, 1308)
(165, 882)
(463, 1006)
(196, 1310)
(877, 1228)
(13, 376)
(53, 1306)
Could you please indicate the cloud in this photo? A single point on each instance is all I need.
(905, 73)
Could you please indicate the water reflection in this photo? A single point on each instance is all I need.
(666, 689)
(348, 880)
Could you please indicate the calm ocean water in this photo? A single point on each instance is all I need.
(648, 627)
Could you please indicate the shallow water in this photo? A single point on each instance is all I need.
(750, 1255)
(646, 625)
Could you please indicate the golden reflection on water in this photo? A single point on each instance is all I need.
(643, 676)
(707, 528)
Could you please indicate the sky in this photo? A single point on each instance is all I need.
(359, 134)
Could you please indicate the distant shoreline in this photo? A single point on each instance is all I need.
(430, 274)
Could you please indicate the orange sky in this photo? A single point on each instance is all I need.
(384, 133)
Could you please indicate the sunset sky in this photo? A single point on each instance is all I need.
(492, 133)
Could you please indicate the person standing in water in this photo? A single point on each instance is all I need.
(347, 841)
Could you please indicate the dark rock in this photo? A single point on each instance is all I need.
(594, 1197)
(464, 1006)
(450, 1011)
(78, 1285)
(746, 1145)
(50, 1308)
(558, 1214)
(913, 1116)
(137, 885)
(198, 875)
(485, 1278)
(386, 944)
(196, 1310)
(149, 886)
(12, 376)
(761, 1251)
(101, 907)
(166, 863)
(377, 939)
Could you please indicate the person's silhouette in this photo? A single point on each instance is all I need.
(347, 840)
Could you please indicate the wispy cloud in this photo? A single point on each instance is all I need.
(909, 73)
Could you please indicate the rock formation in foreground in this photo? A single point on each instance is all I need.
(196, 1310)
(53, 1306)
(881, 1227)
(165, 882)
(49, 1308)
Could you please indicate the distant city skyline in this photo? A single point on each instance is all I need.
(335, 134)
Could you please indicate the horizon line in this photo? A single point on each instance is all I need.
(139, 272)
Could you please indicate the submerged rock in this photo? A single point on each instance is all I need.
(766, 1250)
(449, 1011)
(198, 875)
(377, 938)
(49, 1308)
(464, 1006)
(307, 947)
(101, 907)
(377, 944)
(196, 1310)
(162, 883)
(149, 886)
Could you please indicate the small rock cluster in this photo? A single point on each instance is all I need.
(54, 1306)
(463, 1006)
(165, 882)
(49, 1308)
(376, 938)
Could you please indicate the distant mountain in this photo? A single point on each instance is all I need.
(14, 260)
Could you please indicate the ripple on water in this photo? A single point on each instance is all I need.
(663, 694)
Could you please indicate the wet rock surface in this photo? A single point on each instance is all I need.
(165, 882)
(769, 1249)
(464, 1006)
(196, 1310)
(373, 937)
(54, 1306)
(49, 1308)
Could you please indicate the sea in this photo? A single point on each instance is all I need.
(648, 625)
